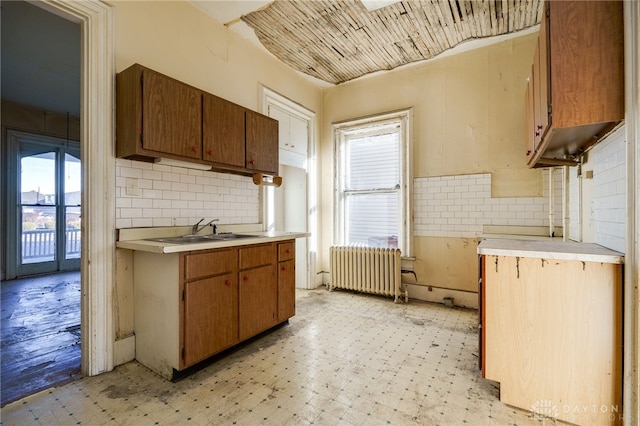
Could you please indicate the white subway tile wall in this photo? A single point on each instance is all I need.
(175, 196)
(459, 206)
(609, 191)
(575, 226)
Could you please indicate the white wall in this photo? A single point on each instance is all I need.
(608, 205)
(175, 196)
(597, 193)
(459, 206)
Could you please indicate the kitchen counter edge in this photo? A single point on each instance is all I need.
(551, 250)
(160, 247)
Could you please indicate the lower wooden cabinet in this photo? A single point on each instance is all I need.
(286, 280)
(192, 305)
(258, 300)
(210, 317)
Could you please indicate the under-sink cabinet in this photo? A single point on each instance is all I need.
(191, 305)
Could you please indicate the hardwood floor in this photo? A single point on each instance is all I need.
(40, 324)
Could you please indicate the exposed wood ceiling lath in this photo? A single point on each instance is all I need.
(338, 40)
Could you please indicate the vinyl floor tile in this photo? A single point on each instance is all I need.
(344, 359)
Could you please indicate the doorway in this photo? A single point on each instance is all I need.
(46, 190)
(41, 192)
(292, 207)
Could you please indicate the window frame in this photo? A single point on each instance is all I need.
(367, 126)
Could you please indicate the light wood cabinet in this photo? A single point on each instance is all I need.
(551, 333)
(576, 88)
(192, 305)
(158, 116)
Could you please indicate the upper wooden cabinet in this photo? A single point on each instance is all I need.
(575, 94)
(262, 153)
(223, 136)
(158, 116)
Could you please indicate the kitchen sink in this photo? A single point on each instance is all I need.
(191, 239)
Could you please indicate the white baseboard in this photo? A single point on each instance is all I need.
(425, 293)
(124, 350)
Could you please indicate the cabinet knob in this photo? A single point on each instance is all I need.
(193, 149)
(210, 152)
(528, 152)
(537, 133)
(284, 268)
(288, 251)
(227, 282)
(252, 162)
(539, 127)
(245, 278)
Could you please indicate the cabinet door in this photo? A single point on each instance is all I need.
(223, 131)
(542, 84)
(261, 143)
(529, 118)
(258, 300)
(286, 290)
(172, 116)
(210, 317)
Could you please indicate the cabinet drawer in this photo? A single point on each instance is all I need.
(254, 256)
(286, 251)
(206, 264)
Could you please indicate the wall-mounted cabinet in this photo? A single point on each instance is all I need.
(160, 117)
(575, 94)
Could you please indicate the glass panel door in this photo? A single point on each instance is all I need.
(38, 209)
(48, 208)
(72, 181)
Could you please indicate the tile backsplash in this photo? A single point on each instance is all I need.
(459, 206)
(149, 194)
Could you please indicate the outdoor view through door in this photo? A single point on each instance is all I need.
(372, 177)
(48, 216)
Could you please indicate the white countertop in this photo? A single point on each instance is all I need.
(163, 247)
(550, 249)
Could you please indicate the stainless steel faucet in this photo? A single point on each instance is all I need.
(195, 228)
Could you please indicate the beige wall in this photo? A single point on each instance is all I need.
(468, 118)
(177, 39)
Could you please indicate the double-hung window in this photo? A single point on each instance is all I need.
(372, 181)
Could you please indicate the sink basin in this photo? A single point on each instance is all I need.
(191, 239)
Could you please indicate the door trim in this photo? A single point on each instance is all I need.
(98, 177)
(269, 97)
